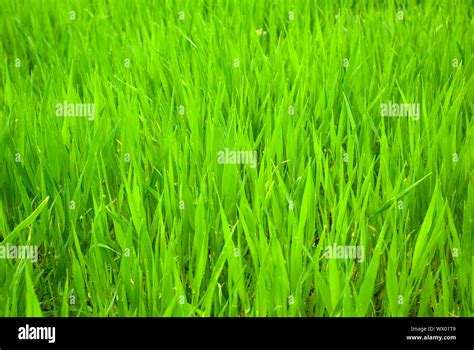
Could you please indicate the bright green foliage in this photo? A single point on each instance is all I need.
(133, 213)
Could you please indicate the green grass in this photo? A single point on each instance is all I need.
(132, 212)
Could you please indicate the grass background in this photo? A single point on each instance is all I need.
(158, 227)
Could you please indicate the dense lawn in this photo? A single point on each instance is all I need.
(236, 158)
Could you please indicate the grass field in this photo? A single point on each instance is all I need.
(236, 158)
